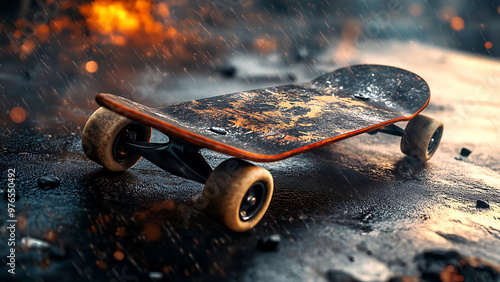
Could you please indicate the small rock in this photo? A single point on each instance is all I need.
(425, 216)
(465, 152)
(432, 263)
(482, 205)
(218, 130)
(48, 181)
(302, 54)
(227, 71)
(339, 276)
(269, 243)
(155, 275)
(443, 265)
(34, 243)
(30, 74)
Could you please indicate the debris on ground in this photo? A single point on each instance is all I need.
(269, 243)
(48, 181)
(465, 152)
(34, 243)
(482, 205)
(334, 275)
(449, 265)
(155, 275)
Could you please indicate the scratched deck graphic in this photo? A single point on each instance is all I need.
(278, 122)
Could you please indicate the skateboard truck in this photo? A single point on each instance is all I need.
(176, 157)
(391, 129)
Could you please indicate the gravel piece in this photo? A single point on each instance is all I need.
(482, 205)
(269, 243)
(48, 181)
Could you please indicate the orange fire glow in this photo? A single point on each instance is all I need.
(122, 21)
(488, 45)
(114, 17)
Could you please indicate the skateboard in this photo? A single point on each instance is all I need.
(262, 125)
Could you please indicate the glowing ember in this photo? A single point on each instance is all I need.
(43, 32)
(488, 45)
(91, 66)
(457, 23)
(114, 17)
(118, 255)
(162, 10)
(18, 114)
(152, 232)
(101, 264)
(265, 44)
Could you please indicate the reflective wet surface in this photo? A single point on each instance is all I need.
(357, 208)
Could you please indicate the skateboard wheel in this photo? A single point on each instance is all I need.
(421, 137)
(101, 139)
(237, 194)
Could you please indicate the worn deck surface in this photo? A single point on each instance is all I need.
(278, 122)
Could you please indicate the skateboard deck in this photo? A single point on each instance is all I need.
(275, 123)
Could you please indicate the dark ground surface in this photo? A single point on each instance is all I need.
(357, 209)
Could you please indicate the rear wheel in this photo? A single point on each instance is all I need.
(103, 137)
(238, 194)
(421, 137)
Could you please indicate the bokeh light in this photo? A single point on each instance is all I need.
(91, 66)
(457, 23)
(18, 114)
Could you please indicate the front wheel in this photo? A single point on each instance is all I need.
(103, 135)
(421, 137)
(238, 194)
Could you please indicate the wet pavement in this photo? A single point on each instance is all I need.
(355, 210)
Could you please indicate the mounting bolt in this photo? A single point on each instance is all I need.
(361, 96)
(218, 130)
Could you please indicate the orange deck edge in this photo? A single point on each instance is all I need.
(207, 143)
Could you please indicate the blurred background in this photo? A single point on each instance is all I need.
(358, 206)
(63, 52)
